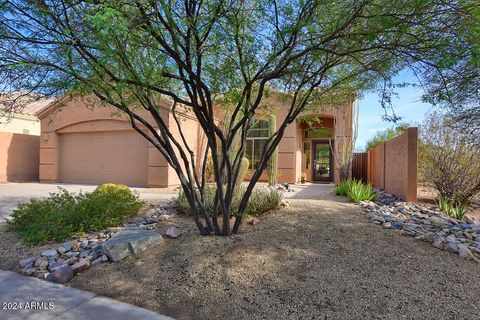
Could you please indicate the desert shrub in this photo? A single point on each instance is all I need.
(261, 200)
(355, 190)
(65, 214)
(449, 160)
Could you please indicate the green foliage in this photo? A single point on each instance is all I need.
(64, 214)
(273, 161)
(242, 172)
(342, 188)
(385, 135)
(451, 209)
(355, 190)
(261, 200)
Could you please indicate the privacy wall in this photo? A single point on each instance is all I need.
(392, 165)
(19, 157)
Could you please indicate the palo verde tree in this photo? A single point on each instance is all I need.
(199, 55)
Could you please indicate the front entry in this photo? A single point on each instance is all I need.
(322, 161)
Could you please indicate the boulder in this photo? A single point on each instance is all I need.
(131, 240)
(62, 275)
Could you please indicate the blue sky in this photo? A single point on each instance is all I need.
(407, 104)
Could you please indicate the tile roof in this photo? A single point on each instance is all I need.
(21, 102)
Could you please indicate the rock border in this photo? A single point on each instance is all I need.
(428, 224)
(61, 264)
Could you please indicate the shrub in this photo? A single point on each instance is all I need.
(65, 214)
(385, 135)
(342, 188)
(450, 209)
(449, 160)
(261, 200)
(355, 190)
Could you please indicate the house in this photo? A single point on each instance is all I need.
(19, 135)
(20, 117)
(80, 144)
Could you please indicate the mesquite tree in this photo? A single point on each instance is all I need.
(200, 55)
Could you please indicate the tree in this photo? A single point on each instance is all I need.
(199, 55)
(385, 135)
(449, 159)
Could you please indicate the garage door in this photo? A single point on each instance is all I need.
(94, 158)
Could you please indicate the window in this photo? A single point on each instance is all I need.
(256, 142)
(26, 131)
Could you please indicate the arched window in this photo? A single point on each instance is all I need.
(256, 142)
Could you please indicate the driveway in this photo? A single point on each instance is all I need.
(11, 194)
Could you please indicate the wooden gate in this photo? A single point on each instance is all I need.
(360, 166)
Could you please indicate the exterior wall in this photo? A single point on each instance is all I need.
(19, 123)
(291, 159)
(78, 118)
(192, 132)
(393, 165)
(19, 157)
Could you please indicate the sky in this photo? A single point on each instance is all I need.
(407, 104)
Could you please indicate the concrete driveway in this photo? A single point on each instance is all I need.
(11, 194)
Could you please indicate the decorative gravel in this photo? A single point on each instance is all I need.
(316, 259)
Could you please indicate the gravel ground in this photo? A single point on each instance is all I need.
(318, 259)
(314, 260)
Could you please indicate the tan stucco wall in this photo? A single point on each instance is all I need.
(19, 157)
(73, 116)
(393, 165)
(19, 123)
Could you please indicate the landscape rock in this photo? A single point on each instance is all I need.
(80, 266)
(27, 263)
(50, 253)
(132, 240)
(61, 250)
(451, 247)
(68, 245)
(41, 263)
(173, 232)
(62, 275)
(464, 252)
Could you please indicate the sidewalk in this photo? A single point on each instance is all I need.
(60, 302)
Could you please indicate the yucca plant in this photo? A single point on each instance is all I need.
(446, 206)
(460, 212)
(342, 188)
(358, 191)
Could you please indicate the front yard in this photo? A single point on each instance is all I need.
(315, 259)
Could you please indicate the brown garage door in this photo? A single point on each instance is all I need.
(94, 158)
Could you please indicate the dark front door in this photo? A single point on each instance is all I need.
(322, 161)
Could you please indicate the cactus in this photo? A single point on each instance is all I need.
(242, 171)
(272, 162)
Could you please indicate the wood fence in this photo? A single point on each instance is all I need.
(360, 166)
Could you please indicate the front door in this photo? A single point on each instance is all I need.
(322, 161)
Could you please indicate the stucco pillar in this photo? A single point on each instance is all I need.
(49, 154)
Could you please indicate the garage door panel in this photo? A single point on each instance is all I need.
(94, 158)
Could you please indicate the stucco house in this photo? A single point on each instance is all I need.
(19, 135)
(79, 144)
